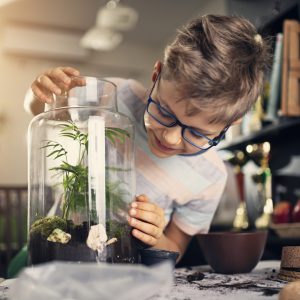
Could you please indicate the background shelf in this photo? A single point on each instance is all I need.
(273, 133)
(275, 23)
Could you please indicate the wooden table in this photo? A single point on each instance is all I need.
(189, 284)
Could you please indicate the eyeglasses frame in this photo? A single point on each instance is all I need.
(212, 142)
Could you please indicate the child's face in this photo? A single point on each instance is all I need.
(168, 141)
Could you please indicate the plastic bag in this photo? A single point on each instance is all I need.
(61, 280)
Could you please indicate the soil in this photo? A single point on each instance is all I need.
(41, 250)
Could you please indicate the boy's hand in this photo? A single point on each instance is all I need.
(147, 220)
(55, 81)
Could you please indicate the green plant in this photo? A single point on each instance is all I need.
(45, 226)
(75, 177)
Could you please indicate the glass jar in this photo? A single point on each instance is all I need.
(81, 177)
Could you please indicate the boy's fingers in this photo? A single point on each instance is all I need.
(70, 71)
(142, 198)
(62, 76)
(146, 216)
(55, 81)
(44, 82)
(146, 228)
(76, 81)
(145, 238)
(148, 206)
(40, 94)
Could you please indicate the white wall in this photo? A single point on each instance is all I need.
(15, 76)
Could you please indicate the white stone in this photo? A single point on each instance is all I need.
(59, 236)
(97, 237)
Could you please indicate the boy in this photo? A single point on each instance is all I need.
(210, 76)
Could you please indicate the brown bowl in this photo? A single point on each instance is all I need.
(233, 252)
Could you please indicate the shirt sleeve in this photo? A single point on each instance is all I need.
(196, 215)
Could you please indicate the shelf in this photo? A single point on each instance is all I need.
(271, 133)
(275, 23)
(275, 240)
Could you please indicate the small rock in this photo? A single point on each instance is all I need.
(97, 237)
(59, 236)
(111, 241)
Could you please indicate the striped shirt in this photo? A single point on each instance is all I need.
(187, 188)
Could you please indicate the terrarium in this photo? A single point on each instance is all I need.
(81, 177)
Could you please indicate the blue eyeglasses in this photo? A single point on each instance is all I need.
(190, 135)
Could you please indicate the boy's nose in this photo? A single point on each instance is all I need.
(172, 135)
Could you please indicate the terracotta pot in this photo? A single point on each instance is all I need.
(233, 252)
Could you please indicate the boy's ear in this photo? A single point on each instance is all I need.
(238, 121)
(156, 70)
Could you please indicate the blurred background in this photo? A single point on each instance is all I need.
(38, 34)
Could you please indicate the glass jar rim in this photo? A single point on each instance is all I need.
(86, 94)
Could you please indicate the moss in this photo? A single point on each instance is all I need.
(116, 229)
(46, 225)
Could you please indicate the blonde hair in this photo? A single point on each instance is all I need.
(217, 62)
